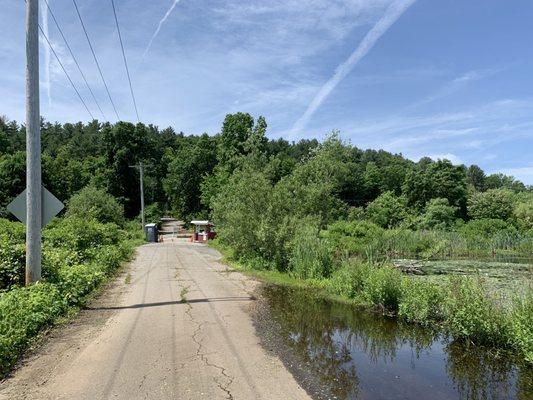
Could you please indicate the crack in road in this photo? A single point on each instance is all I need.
(205, 359)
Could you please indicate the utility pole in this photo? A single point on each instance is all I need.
(33, 146)
(142, 193)
(141, 183)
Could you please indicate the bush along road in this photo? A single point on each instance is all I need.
(79, 254)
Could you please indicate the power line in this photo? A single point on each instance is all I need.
(65, 71)
(74, 58)
(95, 59)
(125, 62)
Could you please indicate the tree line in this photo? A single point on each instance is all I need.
(185, 173)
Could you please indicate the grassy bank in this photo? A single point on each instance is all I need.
(79, 255)
(462, 307)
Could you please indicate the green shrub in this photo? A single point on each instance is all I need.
(153, 213)
(12, 254)
(77, 256)
(97, 204)
(353, 237)
(470, 313)
(523, 213)
(421, 302)
(348, 280)
(310, 256)
(520, 326)
(77, 281)
(387, 210)
(382, 288)
(81, 234)
(23, 312)
(485, 228)
(492, 204)
(439, 214)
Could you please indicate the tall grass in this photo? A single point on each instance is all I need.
(380, 244)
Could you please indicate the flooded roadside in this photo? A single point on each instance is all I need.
(339, 352)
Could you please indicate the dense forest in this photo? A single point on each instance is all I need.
(185, 173)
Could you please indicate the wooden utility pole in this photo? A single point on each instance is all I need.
(141, 184)
(33, 146)
(142, 193)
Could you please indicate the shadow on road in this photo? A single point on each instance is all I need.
(169, 303)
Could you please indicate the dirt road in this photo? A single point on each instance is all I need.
(174, 325)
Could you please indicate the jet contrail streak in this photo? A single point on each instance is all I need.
(392, 14)
(167, 14)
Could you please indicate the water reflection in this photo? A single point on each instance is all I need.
(358, 355)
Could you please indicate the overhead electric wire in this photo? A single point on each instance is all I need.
(65, 71)
(95, 58)
(125, 61)
(74, 58)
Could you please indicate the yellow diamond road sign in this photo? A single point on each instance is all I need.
(51, 206)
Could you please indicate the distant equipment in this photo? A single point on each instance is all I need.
(203, 231)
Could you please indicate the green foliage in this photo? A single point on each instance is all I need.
(486, 228)
(236, 129)
(12, 178)
(187, 167)
(153, 213)
(23, 313)
(387, 210)
(421, 302)
(93, 203)
(348, 281)
(315, 187)
(440, 179)
(352, 238)
(81, 235)
(476, 177)
(438, 214)
(523, 212)
(78, 256)
(520, 325)
(492, 204)
(12, 254)
(383, 289)
(501, 181)
(470, 313)
(310, 256)
(238, 211)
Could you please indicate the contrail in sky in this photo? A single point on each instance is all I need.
(167, 14)
(392, 14)
(47, 82)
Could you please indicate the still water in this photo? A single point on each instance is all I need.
(339, 352)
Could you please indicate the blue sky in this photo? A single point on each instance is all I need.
(447, 78)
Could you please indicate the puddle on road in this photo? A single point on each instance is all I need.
(339, 352)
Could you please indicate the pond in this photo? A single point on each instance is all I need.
(337, 351)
